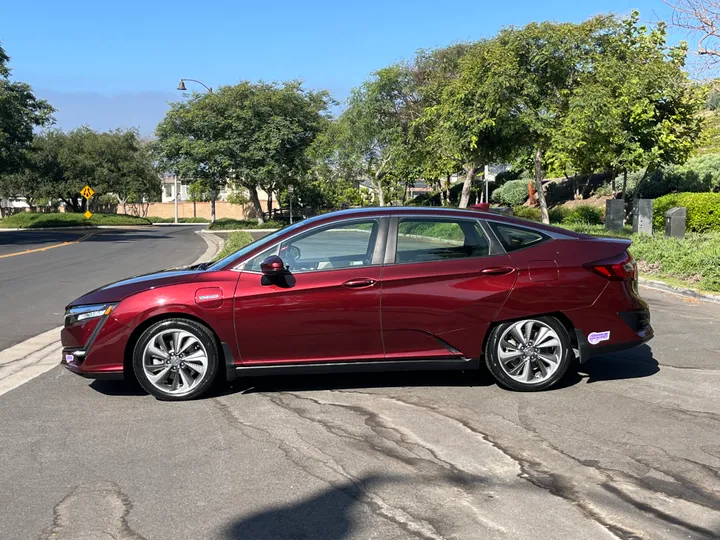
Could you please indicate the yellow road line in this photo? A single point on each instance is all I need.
(46, 247)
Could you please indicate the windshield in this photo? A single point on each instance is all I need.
(239, 254)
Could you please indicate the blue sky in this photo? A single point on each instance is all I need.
(113, 64)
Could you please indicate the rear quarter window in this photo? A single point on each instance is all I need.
(513, 238)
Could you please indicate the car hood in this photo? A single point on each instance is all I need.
(114, 292)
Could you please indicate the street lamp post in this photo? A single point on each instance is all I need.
(182, 87)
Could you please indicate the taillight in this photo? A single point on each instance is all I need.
(619, 268)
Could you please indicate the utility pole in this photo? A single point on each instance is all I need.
(177, 195)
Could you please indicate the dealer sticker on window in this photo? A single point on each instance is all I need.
(596, 337)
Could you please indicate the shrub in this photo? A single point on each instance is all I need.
(512, 193)
(156, 219)
(698, 174)
(33, 220)
(527, 212)
(227, 223)
(235, 241)
(703, 210)
(583, 214)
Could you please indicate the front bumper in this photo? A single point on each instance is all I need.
(68, 360)
(101, 355)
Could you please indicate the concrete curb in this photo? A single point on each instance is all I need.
(82, 228)
(214, 246)
(240, 230)
(680, 291)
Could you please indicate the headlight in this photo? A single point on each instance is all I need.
(78, 314)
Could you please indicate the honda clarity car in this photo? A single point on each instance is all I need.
(376, 289)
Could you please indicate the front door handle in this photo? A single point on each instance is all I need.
(497, 270)
(359, 283)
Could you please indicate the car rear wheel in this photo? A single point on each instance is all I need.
(530, 354)
(176, 359)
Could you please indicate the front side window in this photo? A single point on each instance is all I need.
(428, 239)
(341, 245)
(514, 238)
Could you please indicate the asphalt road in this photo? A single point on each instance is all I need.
(627, 448)
(36, 286)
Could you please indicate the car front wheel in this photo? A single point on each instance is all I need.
(176, 359)
(530, 354)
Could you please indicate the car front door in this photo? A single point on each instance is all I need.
(326, 309)
(443, 282)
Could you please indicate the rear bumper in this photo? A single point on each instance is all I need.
(587, 351)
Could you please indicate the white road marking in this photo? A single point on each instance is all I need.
(27, 360)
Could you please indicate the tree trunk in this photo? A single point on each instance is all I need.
(194, 208)
(636, 195)
(470, 171)
(379, 190)
(539, 186)
(212, 205)
(447, 190)
(269, 204)
(622, 195)
(612, 182)
(123, 203)
(256, 204)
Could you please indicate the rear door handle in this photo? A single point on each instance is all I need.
(359, 283)
(497, 270)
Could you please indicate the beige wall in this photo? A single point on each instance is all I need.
(185, 209)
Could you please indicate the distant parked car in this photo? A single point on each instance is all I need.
(378, 289)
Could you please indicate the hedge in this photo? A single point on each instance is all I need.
(511, 193)
(703, 210)
(580, 215)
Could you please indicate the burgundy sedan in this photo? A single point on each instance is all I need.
(376, 289)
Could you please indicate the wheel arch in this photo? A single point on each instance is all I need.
(140, 328)
(559, 315)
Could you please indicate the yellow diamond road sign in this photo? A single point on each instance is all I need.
(87, 192)
(88, 214)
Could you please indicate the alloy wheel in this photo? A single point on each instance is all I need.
(175, 361)
(529, 351)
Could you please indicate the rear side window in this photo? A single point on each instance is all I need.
(427, 240)
(514, 238)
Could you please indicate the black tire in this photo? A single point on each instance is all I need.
(492, 352)
(202, 334)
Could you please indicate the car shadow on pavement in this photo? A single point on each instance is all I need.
(630, 364)
(349, 381)
(336, 512)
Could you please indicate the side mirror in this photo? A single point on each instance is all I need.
(273, 266)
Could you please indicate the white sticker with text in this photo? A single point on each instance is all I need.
(596, 337)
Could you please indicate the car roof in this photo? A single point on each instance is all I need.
(380, 211)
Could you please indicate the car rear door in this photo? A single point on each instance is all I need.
(327, 309)
(444, 280)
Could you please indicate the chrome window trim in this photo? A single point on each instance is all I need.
(378, 249)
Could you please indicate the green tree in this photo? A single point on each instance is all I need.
(635, 108)
(472, 123)
(375, 134)
(20, 113)
(535, 70)
(254, 135)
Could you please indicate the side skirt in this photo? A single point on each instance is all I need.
(354, 367)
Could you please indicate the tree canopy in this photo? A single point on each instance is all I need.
(253, 135)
